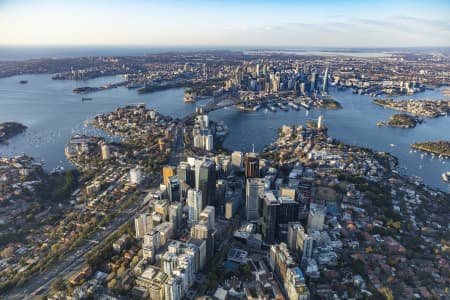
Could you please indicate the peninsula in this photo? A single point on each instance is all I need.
(424, 108)
(438, 147)
(10, 129)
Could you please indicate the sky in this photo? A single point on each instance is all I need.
(270, 23)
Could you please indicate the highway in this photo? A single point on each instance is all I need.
(74, 260)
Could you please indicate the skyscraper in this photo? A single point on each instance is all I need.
(313, 82)
(208, 216)
(151, 244)
(186, 174)
(304, 245)
(237, 160)
(320, 122)
(206, 182)
(143, 224)
(174, 189)
(316, 218)
(253, 194)
(194, 202)
(269, 217)
(135, 176)
(221, 189)
(106, 153)
(173, 289)
(175, 215)
(325, 81)
(251, 164)
(287, 210)
(293, 228)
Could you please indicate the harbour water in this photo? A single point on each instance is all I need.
(53, 113)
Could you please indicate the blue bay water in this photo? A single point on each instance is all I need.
(53, 113)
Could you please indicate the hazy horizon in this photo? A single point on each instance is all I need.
(217, 23)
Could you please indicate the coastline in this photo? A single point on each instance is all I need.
(9, 130)
(430, 147)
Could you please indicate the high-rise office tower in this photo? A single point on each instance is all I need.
(206, 182)
(316, 218)
(251, 164)
(143, 224)
(237, 160)
(168, 171)
(173, 288)
(325, 81)
(175, 215)
(194, 202)
(287, 210)
(186, 174)
(174, 189)
(313, 82)
(293, 228)
(269, 217)
(320, 124)
(204, 71)
(304, 245)
(205, 229)
(221, 189)
(302, 88)
(208, 216)
(136, 176)
(151, 244)
(253, 194)
(106, 153)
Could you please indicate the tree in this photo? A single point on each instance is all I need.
(111, 276)
(212, 281)
(121, 271)
(112, 284)
(246, 270)
(55, 248)
(134, 261)
(58, 284)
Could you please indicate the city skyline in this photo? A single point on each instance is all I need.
(225, 23)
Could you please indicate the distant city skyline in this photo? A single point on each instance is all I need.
(225, 23)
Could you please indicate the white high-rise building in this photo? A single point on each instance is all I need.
(135, 176)
(173, 288)
(237, 160)
(208, 215)
(106, 153)
(208, 142)
(168, 262)
(320, 122)
(150, 245)
(194, 202)
(143, 224)
(316, 218)
(293, 229)
(325, 81)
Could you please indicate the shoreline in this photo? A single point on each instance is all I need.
(429, 147)
(9, 130)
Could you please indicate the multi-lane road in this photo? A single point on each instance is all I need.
(75, 259)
